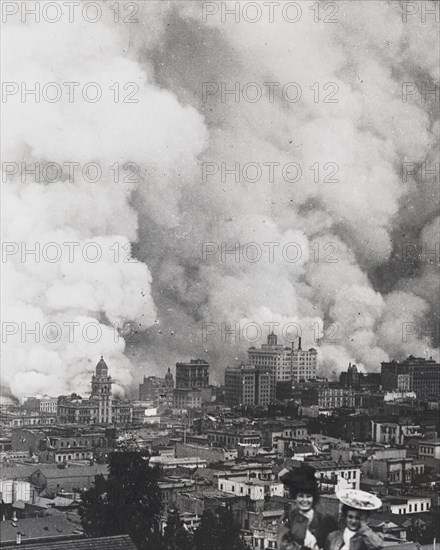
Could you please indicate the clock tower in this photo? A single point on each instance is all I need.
(102, 392)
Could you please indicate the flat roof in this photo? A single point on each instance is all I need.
(75, 471)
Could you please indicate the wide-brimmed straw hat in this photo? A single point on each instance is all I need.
(360, 500)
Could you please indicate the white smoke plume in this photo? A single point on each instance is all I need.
(61, 298)
(361, 221)
(372, 292)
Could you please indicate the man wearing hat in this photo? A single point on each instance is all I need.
(357, 535)
(303, 526)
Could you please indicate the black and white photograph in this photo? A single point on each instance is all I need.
(220, 275)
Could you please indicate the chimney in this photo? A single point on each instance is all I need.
(299, 343)
(18, 539)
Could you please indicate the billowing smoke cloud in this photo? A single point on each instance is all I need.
(82, 291)
(354, 292)
(350, 290)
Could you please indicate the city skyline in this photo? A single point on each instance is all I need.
(220, 275)
(244, 187)
(266, 380)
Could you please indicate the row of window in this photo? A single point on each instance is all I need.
(259, 543)
(233, 489)
(349, 474)
(64, 458)
(424, 507)
(81, 443)
(426, 450)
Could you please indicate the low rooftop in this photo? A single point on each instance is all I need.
(119, 542)
(47, 527)
(73, 471)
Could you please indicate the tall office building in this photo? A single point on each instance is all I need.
(169, 380)
(286, 363)
(416, 374)
(248, 385)
(159, 391)
(304, 363)
(351, 377)
(150, 388)
(193, 375)
(192, 385)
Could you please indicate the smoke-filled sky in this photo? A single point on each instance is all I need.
(345, 96)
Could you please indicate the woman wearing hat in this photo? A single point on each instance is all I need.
(356, 535)
(303, 526)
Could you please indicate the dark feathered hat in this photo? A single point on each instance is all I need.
(300, 479)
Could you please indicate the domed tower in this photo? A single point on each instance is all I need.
(272, 339)
(102, 390)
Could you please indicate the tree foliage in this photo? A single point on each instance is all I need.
(175, 536)
(128, 501)
(219, 532)
(206, 535)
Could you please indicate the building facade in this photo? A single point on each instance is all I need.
(429, 453)
(49, 405)
(100, 408)
(149, 389)
(429, 448)
(102, 391)
(255, 489)
(333, 470)
(75, 410)
(351, 377)
(191, 399)
(336, 398)
(158, 391)
(408, 505)
(248, 385)
(232, 438)
(192, 385)
(397, 471)
(413, 374)
(393, 433)
(304, 363)
(286, 363)
(193, 375)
